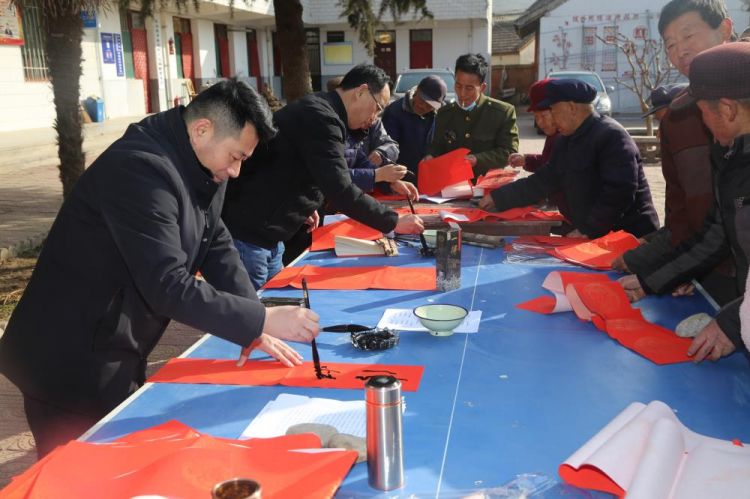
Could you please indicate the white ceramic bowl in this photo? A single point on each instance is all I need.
(440, 319)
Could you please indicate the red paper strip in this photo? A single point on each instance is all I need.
(475, 214)
(599, 253)
(589, 477)
(541, 305)
(606, 299)
(657, 344)
(323, 238)
(442, 171)
(595, 298)
(495, 179)
(383, 277)
(550, 240)
(267, 373)
(176, 461)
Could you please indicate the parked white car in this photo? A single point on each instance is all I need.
(411, 77)
(602, 103)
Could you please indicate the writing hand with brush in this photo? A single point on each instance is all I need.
(288, 323)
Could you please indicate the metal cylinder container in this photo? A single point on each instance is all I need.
(385, 454)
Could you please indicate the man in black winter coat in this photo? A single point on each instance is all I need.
(595, 164)
(283, 185)
(121, 260)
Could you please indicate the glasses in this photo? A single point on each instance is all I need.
(380, 107)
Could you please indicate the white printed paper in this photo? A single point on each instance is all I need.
(288, 410)
(403, 319)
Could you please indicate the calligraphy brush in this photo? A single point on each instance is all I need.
(425, 249)
(316, 357)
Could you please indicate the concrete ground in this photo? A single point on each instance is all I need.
(31, 194)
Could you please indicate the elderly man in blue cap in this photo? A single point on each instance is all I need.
(595, 164)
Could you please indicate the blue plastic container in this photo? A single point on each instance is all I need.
(95, 109)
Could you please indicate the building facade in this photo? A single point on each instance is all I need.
(134, 65)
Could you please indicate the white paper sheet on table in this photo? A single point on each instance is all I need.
(332, 219)
(403, 319)
(435, 199)
(288, 410)
(649, 453)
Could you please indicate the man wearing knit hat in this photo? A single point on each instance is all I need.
(718, 85)
(595, 164)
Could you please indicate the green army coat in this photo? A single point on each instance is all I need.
(489, 131)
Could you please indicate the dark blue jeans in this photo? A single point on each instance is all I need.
(261, 263)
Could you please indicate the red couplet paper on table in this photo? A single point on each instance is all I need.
(496, 178)
(593, 297)
(267, 373)
(599, 253)
(445, 170)
(383, 277)
(323, 238)
(173, 460)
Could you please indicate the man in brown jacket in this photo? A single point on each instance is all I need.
(687, 27)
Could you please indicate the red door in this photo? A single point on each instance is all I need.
(140, 62)
(222, 47)
(385, 52)
(186, 48)
(253, 61)
(420, 48)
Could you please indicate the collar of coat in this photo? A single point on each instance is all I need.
(584, 127)
(199, 178)
(334, 100)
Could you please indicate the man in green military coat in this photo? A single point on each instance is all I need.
(485, 126)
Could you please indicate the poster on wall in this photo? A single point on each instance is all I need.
(11, 29)
(89, 18)
(108, 48)
(119, 63)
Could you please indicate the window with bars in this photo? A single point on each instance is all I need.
(588, 57)
(32, 51)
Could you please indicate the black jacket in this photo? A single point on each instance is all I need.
(281, 185)
(599, 170)
(118, 264)
(725, 233)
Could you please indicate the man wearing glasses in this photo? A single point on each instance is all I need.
(281, 187)
(485, 126)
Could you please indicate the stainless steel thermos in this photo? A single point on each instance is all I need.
(385, 452)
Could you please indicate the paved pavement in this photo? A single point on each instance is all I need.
(30, 195)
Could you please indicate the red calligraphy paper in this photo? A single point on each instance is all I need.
(323, 238)
(442, 171)
(540, 305)
(382, 277)
(172, 460)
(266, 373)
(593, 297)
(496, 178)
(599, 253)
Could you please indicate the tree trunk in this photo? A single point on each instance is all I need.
(63, 32)
(290, 34)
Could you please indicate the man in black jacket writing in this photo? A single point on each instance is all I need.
(282, 186)
(121, 260)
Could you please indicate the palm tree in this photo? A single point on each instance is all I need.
(62, 28)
